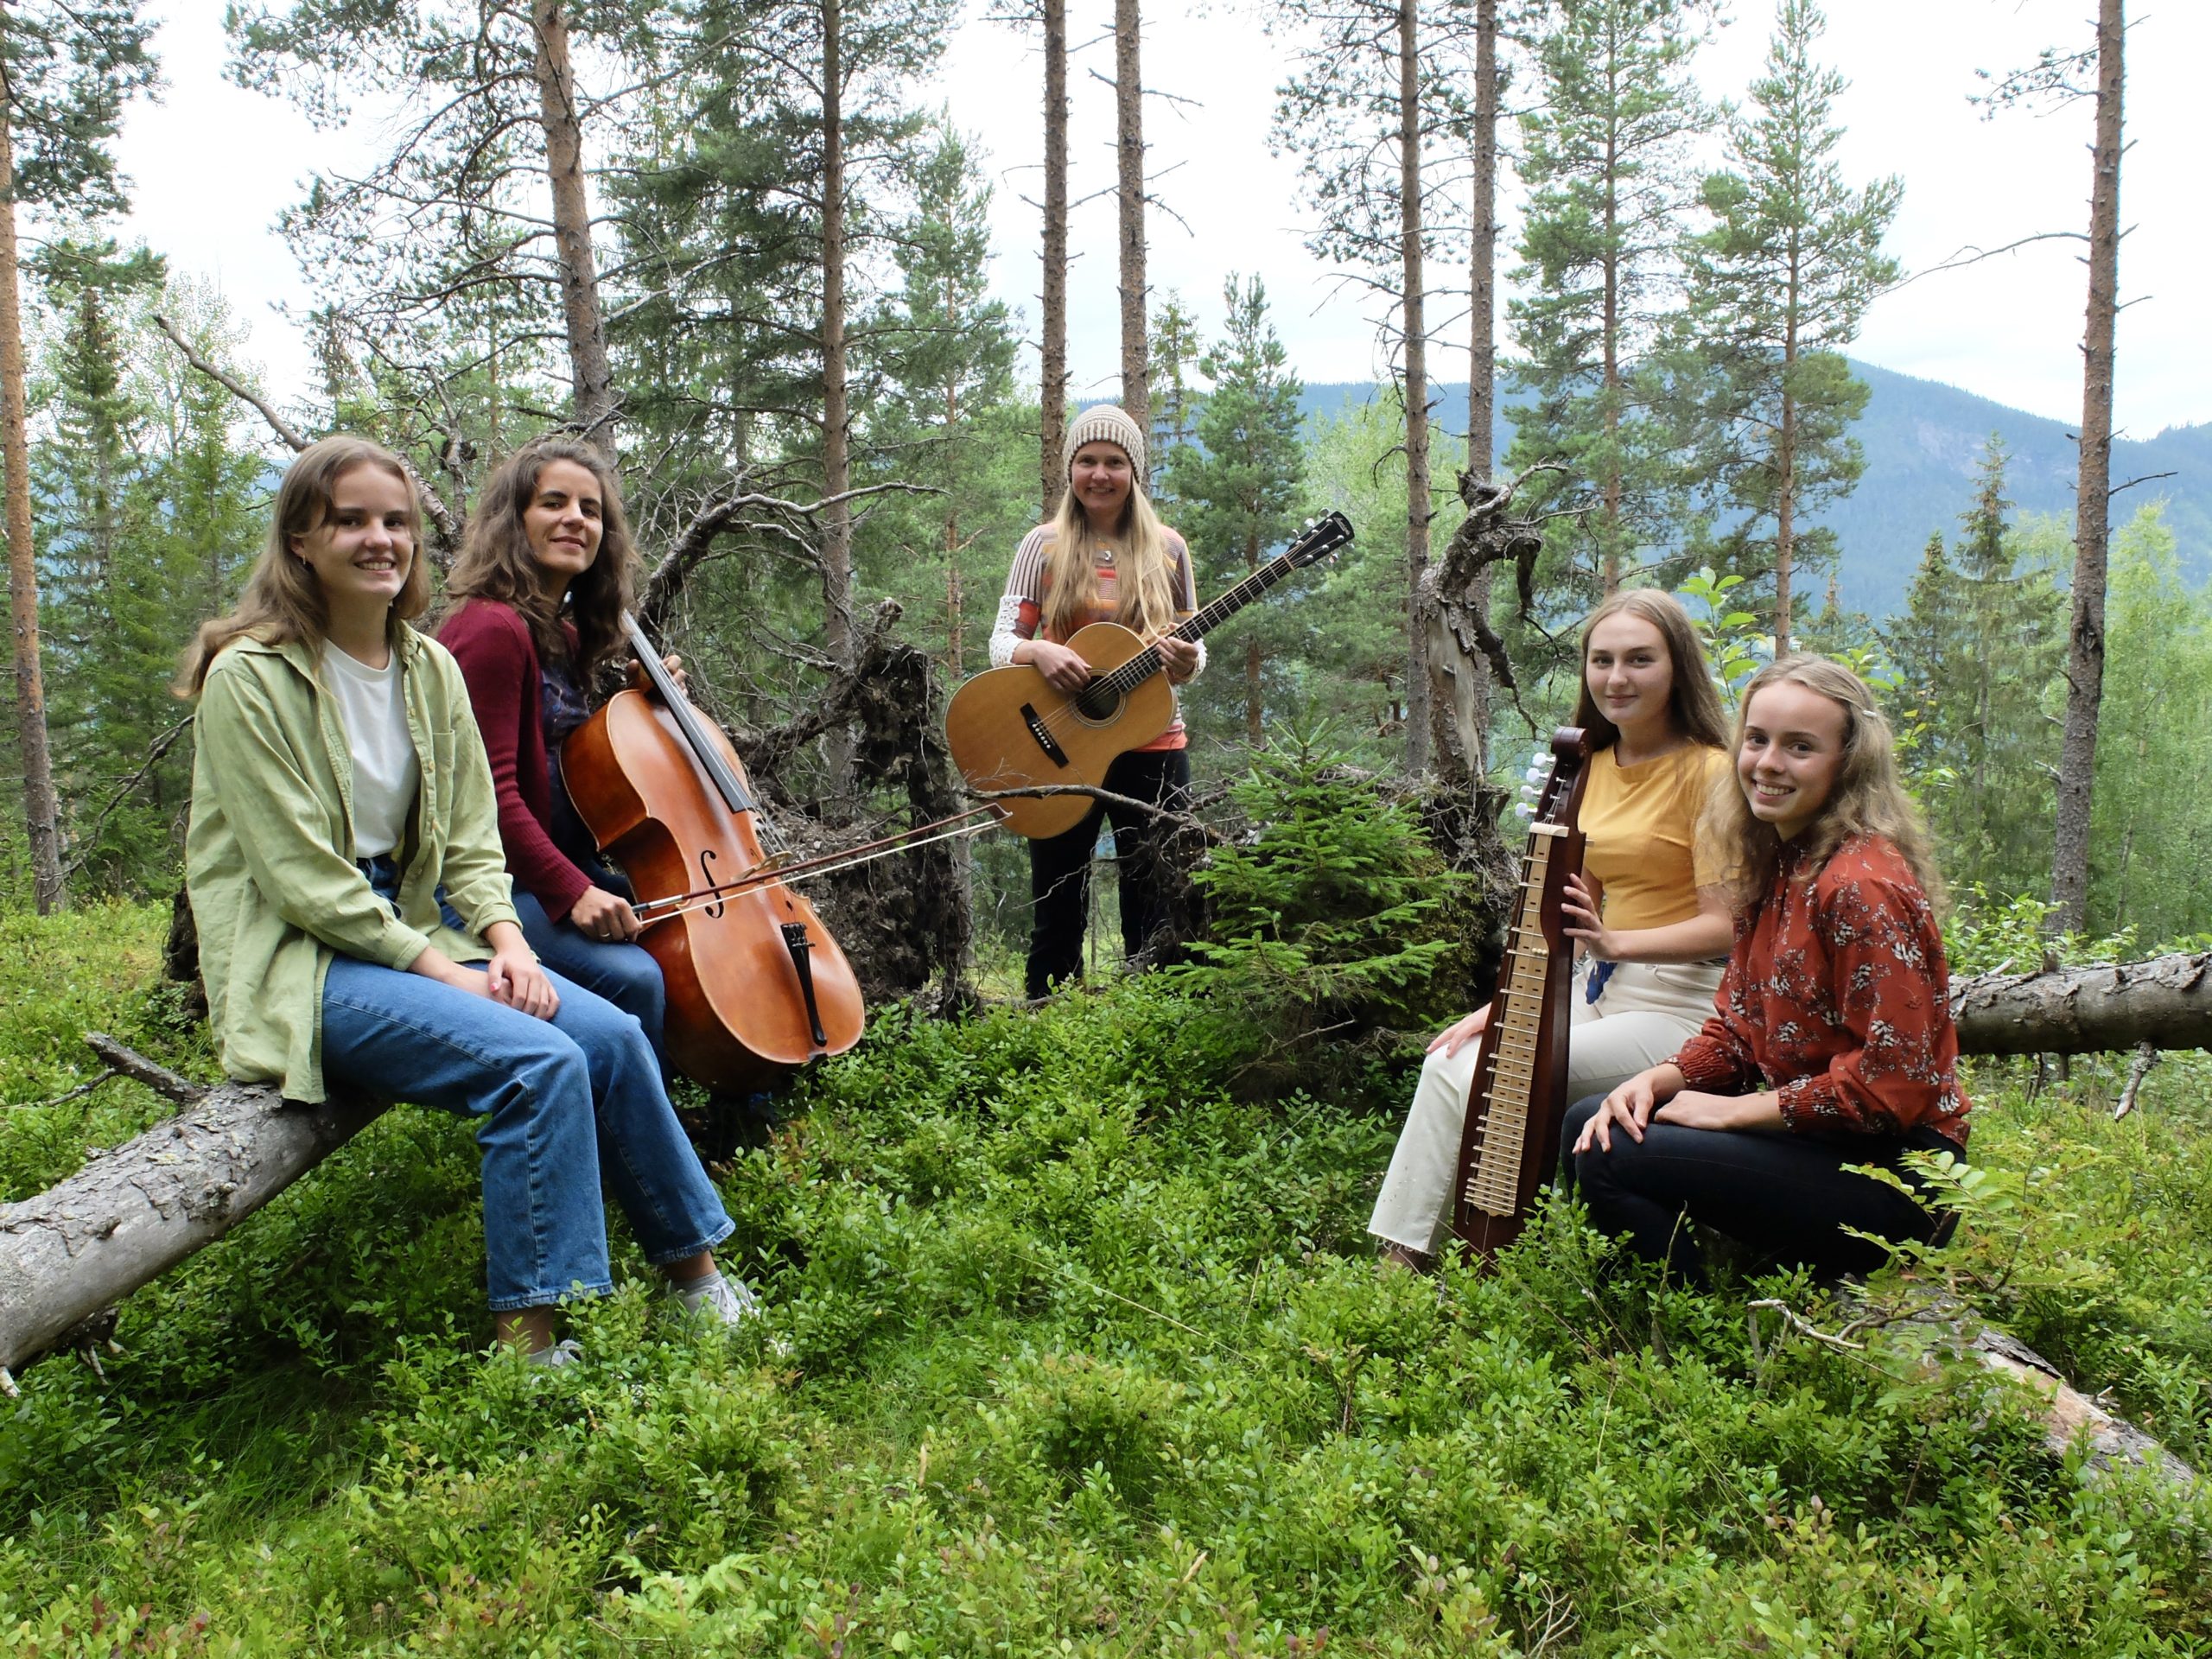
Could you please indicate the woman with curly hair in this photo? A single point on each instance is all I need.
(1832, 1045)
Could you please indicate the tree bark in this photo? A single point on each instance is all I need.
(41, 806)
(2085, 636)
(591, 377)
(2166, 1001)
(132, 1214)
(836, 415)
(1053, 389)
(1128, 124)
(1418, 510)
(1460, 682)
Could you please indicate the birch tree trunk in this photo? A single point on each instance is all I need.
(591, 377)
(1418, 510)
(1053, 389)
(1128, 124)
(42, 807)
(2085, 636)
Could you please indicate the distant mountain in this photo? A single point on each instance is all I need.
(1922, 440)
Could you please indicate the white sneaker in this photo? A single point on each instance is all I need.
(719, 1301)
(563, 1354)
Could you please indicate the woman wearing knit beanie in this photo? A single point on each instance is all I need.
(1103, 557)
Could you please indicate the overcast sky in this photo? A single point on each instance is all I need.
(213, 166)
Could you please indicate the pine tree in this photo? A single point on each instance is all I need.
(1778, 290)
(1605, 154)
(948, 351)
(66, 72)
(1238, 485)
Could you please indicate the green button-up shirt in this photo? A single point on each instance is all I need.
(268, 856)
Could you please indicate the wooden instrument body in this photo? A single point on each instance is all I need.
(739, 1017)
(1516, 1104)
(1004, 726)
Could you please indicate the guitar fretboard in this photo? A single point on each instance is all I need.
(1146, 663)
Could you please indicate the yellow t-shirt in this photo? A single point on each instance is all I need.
(1640, 822)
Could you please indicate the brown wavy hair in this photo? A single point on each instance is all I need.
(283, 598)
(1692, 705)
(496, 564)
(1868, 798)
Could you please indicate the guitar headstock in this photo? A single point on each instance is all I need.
(1320, 540)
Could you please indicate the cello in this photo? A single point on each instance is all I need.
(756, 987)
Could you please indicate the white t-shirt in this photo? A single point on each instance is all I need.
(386, 775)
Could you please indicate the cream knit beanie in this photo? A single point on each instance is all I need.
(1109, 424)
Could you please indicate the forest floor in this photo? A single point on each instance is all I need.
(1074, 1350)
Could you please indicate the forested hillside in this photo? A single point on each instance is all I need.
(1922, 441)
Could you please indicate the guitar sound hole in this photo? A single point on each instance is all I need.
(1098, 701)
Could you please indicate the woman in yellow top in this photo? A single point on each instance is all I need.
(1650, 908)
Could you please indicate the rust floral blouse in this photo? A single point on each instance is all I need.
(1837, 995)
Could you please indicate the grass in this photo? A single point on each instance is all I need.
(1085, 1355)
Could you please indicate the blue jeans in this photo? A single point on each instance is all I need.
(561, 1104)
(624, 973)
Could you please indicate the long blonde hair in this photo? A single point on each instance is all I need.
(1692, 705)
(283, 599)
(496, 562)
(1145, 582)
(1867, 799)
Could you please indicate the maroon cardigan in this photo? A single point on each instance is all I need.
(498, 660)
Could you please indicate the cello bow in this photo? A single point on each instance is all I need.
(1516, 1104)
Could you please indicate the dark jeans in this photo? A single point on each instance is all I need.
(1059, 867)
(1787, 1196)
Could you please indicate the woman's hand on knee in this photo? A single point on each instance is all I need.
(1693, 1109)
(1631, 1106)
(1460, 1032)
(513, 976)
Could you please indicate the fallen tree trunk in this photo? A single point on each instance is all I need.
(132, 1213)
(2166, 1001)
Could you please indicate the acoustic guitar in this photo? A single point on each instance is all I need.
(1008, 728)
(1517, 1103)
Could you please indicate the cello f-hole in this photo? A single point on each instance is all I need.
(707, 871)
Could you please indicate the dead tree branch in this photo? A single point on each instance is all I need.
(135, 1066)
(440, 515)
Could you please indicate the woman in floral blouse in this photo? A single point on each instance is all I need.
(1832, 1043)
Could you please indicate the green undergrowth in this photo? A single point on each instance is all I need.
(1076, 1351)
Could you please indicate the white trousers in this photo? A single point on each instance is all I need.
(1648, 1011)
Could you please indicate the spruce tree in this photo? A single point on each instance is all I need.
(1778, 287)
(1238, 485)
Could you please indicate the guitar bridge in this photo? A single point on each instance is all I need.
(1037, 729)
